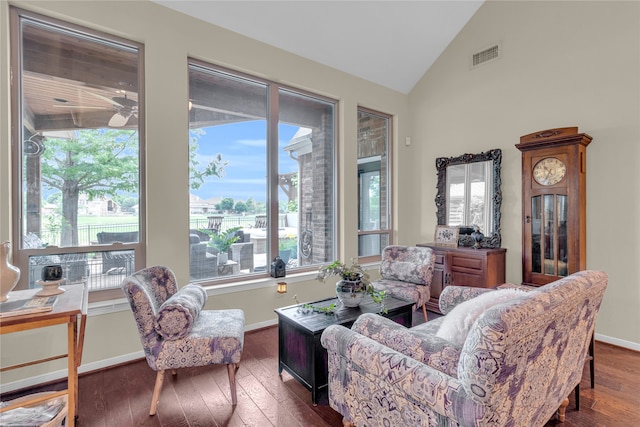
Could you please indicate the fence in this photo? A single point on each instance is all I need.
(91, 268)
(87, 234)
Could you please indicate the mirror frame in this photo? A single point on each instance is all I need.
(493, 240)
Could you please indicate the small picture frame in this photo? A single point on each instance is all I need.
(446, 236)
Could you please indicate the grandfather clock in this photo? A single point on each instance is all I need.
(554, 203)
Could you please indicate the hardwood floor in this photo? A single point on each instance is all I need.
(121, 396)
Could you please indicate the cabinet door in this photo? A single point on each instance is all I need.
(438, 282)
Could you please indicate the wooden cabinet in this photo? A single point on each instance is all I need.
(554, 199)
(480, 268)
(299, 350)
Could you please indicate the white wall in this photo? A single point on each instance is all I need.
(563, 64)
(169, 38)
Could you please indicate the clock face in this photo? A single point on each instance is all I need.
(549, 171)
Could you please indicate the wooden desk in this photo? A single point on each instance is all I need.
(70, 307)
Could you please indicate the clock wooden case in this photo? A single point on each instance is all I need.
(554, 203)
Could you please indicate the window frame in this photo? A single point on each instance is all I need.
(20, 255)
(388, 231)
(274, 89)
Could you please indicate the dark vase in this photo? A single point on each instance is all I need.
(477, 236)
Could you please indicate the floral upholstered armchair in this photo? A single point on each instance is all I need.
(406, 273)
(516, 364)
(174, 330)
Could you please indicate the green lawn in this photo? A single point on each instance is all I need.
(107, 220)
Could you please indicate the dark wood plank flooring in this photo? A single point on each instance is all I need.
(120, 396)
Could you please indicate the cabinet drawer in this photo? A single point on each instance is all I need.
(467, 262)
(461, 278)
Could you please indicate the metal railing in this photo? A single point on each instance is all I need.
(87, 234)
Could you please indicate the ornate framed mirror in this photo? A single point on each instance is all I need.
(469, 193)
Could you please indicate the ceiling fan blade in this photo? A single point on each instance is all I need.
(104, 98)
(118, 120)
(85, 107)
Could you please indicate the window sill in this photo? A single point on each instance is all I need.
(99, 308)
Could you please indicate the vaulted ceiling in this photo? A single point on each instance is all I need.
(392, 43)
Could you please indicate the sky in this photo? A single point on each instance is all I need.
(243, 146)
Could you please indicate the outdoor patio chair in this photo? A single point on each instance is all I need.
(261, 221)
(121, 260)
(215, 223)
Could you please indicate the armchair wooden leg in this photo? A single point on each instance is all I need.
(156, 392)
(231, 369)
(562, 409)
(424, 312)
(347, 423)
(592, 359)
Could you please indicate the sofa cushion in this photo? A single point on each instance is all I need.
(177, 315)
(457, 323)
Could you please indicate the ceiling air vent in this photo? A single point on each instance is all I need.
(486, 55)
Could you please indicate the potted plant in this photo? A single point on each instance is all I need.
(222, 242)
(288, 249)
(354, 283)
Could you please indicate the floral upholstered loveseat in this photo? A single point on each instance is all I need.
(516, 366)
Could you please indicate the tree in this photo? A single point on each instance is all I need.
(240, 207)
(98, 162)
(225, 205)
(214, 168)
(251, 208)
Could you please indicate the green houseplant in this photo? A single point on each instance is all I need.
(354, 284)
(288, 248)
(222, 242)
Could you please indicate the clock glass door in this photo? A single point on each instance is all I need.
(549, 235)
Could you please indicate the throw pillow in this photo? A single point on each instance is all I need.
(457, 323)
(177, 315)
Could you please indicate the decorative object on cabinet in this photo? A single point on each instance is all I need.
(480, 268)
(477, 237)
(9, 274)
(50, 287)
(553, 204)
(458, 204)
(446, 236)
(52, 272)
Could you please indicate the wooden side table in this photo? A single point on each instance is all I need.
(300, 352)
(70, 309)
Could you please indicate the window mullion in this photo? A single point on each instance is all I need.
(272, 169)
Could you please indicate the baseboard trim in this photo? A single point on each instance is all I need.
(618, 342)
(95, 366)
(106, 363)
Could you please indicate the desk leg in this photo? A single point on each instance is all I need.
(72, 378)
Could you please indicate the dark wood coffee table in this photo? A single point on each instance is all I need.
(299, 350)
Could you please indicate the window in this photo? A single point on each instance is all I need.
(468, 190)
(78, 103)
(374, 215)
(262, 175)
